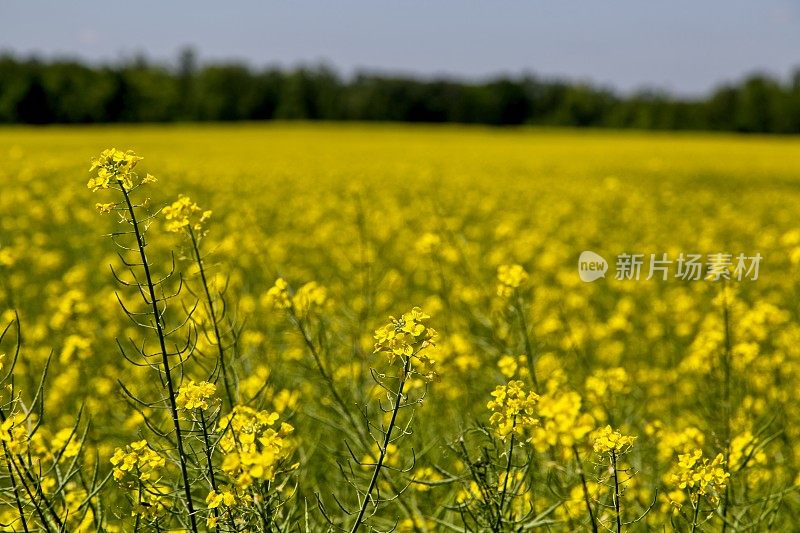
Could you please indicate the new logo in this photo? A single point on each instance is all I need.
(591, 266)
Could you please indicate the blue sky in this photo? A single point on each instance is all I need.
(683, 46)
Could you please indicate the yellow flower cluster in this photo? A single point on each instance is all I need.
(278, 295)
(428, 243)
(115, 166)
(154, 502)
(47, 445)
(405, 336)
(136, 458)
(561, 420)
(14, 434)
(183, 214)
(606, 383)
(71, 305)
(253, 449)
(512, 409)
(607, 440)
(510, 365)
(309, 296)
(217, 498)
(195, 395)
(221, 497)
(105, 208)
(700, 477)
(745, 451)
(510, 278)
(672, 442)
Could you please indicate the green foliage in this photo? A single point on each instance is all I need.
(63, 91)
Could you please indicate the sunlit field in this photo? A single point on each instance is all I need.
(384, 327)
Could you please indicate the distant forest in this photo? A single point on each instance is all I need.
(65, 91)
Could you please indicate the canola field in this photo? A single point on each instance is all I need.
(294, 327)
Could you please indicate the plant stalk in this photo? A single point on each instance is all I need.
(164, 359)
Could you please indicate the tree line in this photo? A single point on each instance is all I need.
(66, 91)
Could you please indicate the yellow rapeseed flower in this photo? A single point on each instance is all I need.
(512, 409)
(607, 440)
(136, 458)
(195, 395)
(184, 214)
(113, 167)
(701, 477)
(405, 336)
(510, 278)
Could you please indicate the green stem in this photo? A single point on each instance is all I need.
(586, 497)
(616, 491)
(696, 514)
(26, 473)
(387, 439)
(164, 359)
(16, 491)
(508, 474)
(221, 351)
(210, 464)
(361, 433)
(321, 368)
(526, 337)
(138, 521)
